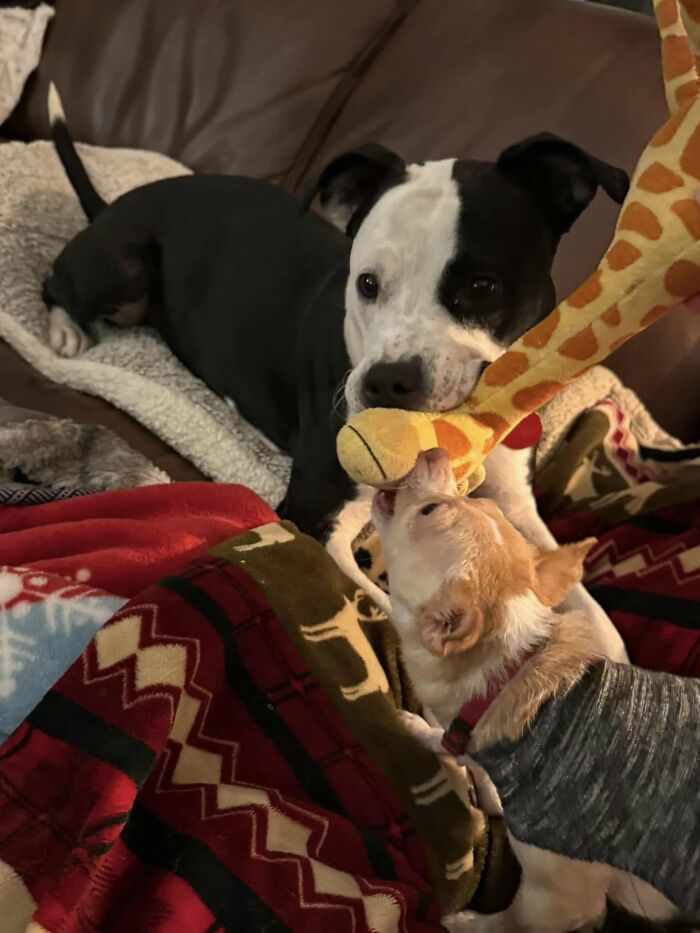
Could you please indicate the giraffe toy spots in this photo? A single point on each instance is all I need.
(651, 266)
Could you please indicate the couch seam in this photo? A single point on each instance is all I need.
(335, 103)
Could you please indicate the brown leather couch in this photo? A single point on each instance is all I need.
(274, 88)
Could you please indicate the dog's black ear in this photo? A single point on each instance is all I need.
(348, 187)
(562, 177)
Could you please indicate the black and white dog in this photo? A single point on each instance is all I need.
(425, 273)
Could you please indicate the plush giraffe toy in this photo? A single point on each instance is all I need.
(652, 265)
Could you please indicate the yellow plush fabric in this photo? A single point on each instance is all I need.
(651, 266)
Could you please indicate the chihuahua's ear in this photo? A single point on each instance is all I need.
(450, 622)
(556, 572)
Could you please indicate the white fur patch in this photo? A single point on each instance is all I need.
(497, 537)
(528, 621)
(349, 522)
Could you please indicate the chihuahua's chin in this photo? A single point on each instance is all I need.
(383, 504)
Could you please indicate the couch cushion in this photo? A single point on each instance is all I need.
(467, 79)
(228, 85)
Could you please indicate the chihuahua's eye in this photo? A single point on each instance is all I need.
(368, 286)
(430, 507)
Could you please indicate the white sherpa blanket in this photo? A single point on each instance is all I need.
(132, 369)
(599, 383)
(21, 38)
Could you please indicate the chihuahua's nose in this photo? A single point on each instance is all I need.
(399, 384)
(433, 472)
(434, 456)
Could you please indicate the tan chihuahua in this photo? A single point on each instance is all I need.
(474, 606)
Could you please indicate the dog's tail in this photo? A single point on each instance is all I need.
(90, 200)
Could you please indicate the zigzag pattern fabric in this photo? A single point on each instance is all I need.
(225, 755)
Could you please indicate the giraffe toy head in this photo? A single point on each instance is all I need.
(651, 266)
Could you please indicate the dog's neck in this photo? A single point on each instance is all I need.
(551, 670)
(446, 684)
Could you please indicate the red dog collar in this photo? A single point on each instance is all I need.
(456, 737)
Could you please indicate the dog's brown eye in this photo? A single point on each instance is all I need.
(483, 286)
(368, 285)
(430, 507)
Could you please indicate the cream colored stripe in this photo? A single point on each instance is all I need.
(632, 564)
(16, 903)
(690, 559)
(272, 533)
(692, 30)
(433, 789)
(442, 790)
(454, 870)
(286, 837)
(437, 778)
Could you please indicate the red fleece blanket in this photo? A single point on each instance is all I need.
(126, 540)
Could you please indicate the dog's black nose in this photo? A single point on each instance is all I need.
(395, 385)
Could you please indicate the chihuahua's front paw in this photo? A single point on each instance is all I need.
(428, 736)
(66, 338)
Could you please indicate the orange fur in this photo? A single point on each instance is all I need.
(550, 672)
(471, 595)
(556, 572)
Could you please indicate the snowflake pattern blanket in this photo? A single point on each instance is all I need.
(66, 567)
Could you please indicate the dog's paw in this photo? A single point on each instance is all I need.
(464, 920)
(487, 798)
(428, 736)
(66, 338)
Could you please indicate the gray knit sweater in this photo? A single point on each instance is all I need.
(610, 773)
